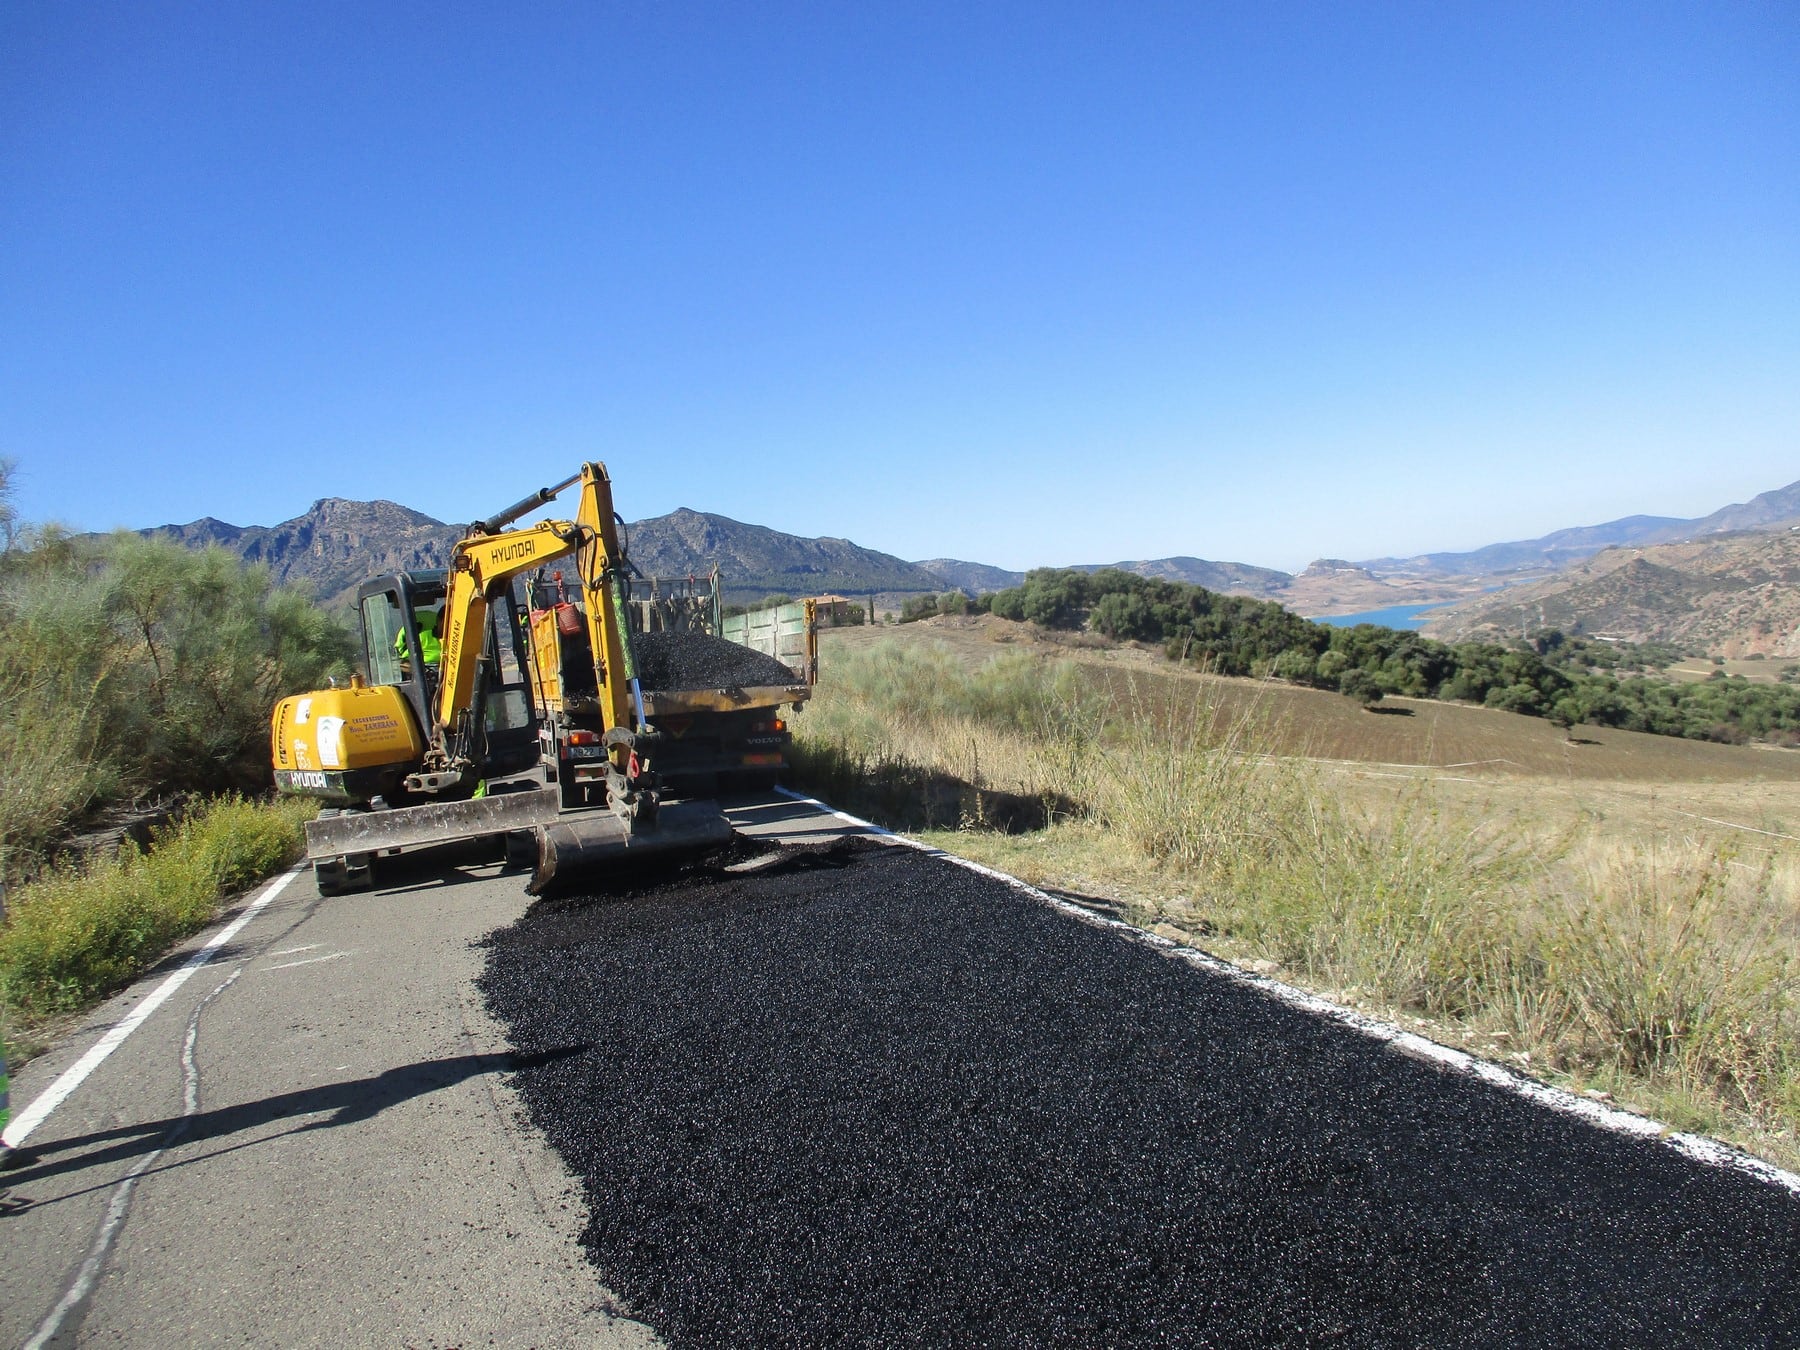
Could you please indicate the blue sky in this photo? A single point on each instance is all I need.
(1024, 284)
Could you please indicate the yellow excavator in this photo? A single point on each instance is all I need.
(543, 742)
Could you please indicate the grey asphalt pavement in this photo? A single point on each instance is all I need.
(356, 1170)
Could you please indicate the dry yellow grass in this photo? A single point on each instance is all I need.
(1767, 671)
(1619, 915)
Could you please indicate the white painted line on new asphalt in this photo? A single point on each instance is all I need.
(73, 1076)
(1698, 1147)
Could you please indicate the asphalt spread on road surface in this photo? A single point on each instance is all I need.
(869, 1097)
(674, 661)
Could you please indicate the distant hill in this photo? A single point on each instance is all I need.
(1726, 595)
(334, 547)
(339, 543)
(1232, 578)
(1776, 510)
(755, 561)
(1228, 577)
(1773, 510)
(1555, 550)
(973, 577)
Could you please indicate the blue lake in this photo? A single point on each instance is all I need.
(1394, 616)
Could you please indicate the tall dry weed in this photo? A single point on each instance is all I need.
(1667, 969)
(1673, 959)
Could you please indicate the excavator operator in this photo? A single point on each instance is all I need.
(430, 647)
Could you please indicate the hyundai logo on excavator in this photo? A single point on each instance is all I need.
(513, 552)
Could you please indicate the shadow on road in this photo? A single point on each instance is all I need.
(339, 1104)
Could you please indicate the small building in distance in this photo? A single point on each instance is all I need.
(836, 611)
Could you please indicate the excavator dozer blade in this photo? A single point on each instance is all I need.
(577, 845)
(438, 823)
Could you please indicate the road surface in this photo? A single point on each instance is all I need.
(862, 1098)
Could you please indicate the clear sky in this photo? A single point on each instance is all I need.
(1025, 283)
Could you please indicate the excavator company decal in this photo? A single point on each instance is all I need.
(330, 735)
(307, 778)
(374, 722)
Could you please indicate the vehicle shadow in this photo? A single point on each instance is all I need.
(338, 1104)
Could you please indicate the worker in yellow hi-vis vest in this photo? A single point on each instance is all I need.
(431, 648)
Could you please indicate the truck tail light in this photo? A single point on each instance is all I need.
(584, 738)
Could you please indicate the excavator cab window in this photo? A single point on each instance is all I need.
(393, 651)
(392, 648)
(508, 703)
(382, 625)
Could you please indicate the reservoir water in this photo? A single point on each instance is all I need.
(1394, 616)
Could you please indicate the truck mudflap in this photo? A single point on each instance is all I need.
(581, 843)
(437, 823)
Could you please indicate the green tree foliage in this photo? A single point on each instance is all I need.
(1552, 675)
(138, 666)
(1360, 685)
(919, 607)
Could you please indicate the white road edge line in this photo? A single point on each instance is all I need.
(1698, 1147)
(72, 1077)
(83, 1283)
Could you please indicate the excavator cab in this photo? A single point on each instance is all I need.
(401, 648)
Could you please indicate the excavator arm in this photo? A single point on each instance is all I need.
(485, 561)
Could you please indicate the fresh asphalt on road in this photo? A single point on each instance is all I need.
(865, 1098)
(872, 1098)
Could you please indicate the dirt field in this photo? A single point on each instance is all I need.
(1760, 672)
(1494, 760)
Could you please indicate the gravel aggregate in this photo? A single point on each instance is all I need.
(700, 661)
(868, 1098)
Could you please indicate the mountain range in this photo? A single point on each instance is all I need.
(1767, 511)
(339, 542)
(1731, 595)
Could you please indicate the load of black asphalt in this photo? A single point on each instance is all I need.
(874, 1099)
(700, 661)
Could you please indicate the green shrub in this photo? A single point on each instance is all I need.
(82, 930)
(140, 667)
